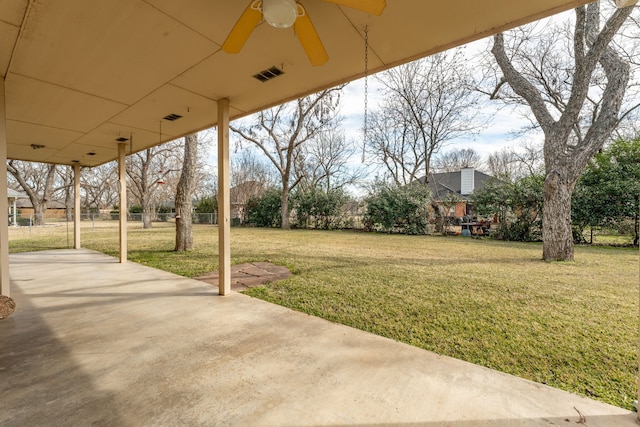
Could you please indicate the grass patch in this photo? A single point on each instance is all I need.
(570, 325)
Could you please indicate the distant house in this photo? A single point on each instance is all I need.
(13, 197)
(451, 190)
(55, 208)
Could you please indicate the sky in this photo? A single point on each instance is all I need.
(497, 135)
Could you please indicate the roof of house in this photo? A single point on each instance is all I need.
(444, 184)
(51, 204)
(13, 194)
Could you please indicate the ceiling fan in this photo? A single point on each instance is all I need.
(287, 13)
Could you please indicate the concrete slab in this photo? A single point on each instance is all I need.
(94, 342)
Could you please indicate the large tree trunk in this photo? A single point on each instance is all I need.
(68, 195)
(284, 203)
(556, 217)
(636, 223)
(146, 211)
(184, 195)
(39, 212)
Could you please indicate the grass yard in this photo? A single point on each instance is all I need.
(569, 325)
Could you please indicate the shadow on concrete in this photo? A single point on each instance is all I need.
(41, 381)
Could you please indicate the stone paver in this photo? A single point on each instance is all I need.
(249, 275)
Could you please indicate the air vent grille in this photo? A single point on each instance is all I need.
(172, 117)
(266, 75)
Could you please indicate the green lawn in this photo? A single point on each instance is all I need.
(571, 325)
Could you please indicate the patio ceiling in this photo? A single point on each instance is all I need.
(81, 74)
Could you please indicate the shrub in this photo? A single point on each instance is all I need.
(265, 210)
(321, 208)
(399, 209)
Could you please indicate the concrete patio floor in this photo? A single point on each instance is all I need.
(94, 342)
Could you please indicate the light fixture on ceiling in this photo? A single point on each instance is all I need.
(37, 146)
(288, 13)
(280, 13)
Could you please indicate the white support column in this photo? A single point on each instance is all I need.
(5, 286)
(122, 203)
(15, 212)
(224, 202)
(76, 206)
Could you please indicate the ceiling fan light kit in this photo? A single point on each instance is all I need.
(288, 13)
(280, 13)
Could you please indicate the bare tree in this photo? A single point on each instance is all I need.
(37, 180)
(503, 165)
(250, 177)
(184, 195)
(394, 143)
(511, 164)
(576, 104)
(281, 131)
(325, 162)
(100, 185)
(148, 170)
(428, 103)
(454, 160)
(66, 176)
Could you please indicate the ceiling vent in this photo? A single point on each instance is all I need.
(172, 117)
(122, 139)
(266, 75)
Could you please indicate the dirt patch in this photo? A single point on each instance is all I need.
(249, 275)
(7, 306)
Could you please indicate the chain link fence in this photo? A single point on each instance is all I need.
(30, 232)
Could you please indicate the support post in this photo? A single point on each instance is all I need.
(122, 203)
(76, 206)
(5, 285)
(15, 212)
(224, 202)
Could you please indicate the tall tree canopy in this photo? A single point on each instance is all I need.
(574, 83)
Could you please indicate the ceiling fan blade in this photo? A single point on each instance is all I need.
(243, 28)
(309, 39)
(374, 7)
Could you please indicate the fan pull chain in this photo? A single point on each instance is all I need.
(366, 89)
